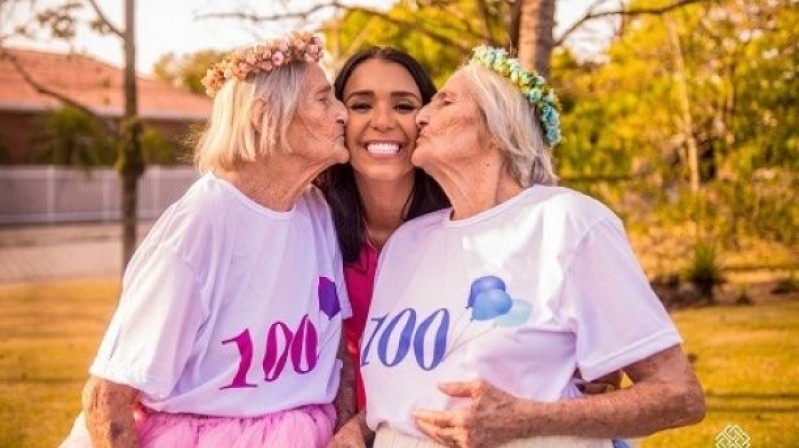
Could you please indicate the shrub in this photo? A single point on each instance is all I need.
(704, 270)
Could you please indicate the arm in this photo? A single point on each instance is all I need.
(345, 398)
(109, 413)
(665, 394)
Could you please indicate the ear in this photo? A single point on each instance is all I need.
(257, 113)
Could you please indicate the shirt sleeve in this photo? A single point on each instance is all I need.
(153, 330)
(609, 305)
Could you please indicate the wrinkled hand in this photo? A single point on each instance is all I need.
(601, 385)
(488, 421)
(347, 439)
(353, 434)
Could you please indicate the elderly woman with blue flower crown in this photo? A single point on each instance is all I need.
(228, 329)
(483, 312)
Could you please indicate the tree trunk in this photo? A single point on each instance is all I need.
(130, 163)
(685, 106)
(536, 22)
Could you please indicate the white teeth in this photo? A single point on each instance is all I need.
(383, 148)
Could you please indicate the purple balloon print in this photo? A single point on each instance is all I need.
(328, 298)
(482, 284)
(490, 304)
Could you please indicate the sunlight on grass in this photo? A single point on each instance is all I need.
(48, 335)
(745, 358)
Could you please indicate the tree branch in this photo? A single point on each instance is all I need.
(303, 15)
(592, 14)
(40, 88)
(103, 18)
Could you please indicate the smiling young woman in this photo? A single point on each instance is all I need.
(383, 89)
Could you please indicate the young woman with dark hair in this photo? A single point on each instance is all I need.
(379, 189)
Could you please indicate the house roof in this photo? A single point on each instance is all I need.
(92, 83)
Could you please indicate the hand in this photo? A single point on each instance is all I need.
(488, 421)
(347, 439)
(353, 434)
(601, 385)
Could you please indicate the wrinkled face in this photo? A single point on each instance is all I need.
(382, 99)
(452, 132)
(316, 131)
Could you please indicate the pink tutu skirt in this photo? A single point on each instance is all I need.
(308, 426)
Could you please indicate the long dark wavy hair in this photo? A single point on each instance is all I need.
(338, 181)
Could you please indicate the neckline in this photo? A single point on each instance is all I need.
(488, 213)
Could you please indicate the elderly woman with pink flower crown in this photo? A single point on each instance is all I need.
(483, 312)
(228, 328)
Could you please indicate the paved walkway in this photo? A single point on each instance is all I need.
(60, 252)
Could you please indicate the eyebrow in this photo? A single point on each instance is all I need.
(401, 94)
(326, 89)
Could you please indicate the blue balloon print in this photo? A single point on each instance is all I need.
(483, 284)
(518, 314)
(490, 304)
(328, 297)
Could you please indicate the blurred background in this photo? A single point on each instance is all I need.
(681, 115)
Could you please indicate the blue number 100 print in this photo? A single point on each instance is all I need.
(392, 350)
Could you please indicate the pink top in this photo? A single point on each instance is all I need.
(359, 277)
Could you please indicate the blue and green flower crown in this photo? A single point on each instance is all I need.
(532, 85)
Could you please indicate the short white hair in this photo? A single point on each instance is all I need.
(230, 137)
(514, 125)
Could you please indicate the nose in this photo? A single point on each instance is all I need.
(423, 117)
(342, 115)
(382, 118)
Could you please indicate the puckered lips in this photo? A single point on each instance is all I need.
(383, 148)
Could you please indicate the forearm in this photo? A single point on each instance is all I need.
(665, 394)
(108, 408)
(639, 410)
(345, 401)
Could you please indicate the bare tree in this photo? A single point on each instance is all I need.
(131, 161)
(61, 21)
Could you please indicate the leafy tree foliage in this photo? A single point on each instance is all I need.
(186, 71)
(73, 138)
(457, 26)
(622, 117)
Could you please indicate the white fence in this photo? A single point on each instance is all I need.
(50, 194)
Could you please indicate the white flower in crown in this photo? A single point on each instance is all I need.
(532, 86)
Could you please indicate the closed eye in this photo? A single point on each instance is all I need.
(359, 107)
(406, 108)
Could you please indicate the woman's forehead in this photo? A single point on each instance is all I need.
(379, 74)
(456, 86)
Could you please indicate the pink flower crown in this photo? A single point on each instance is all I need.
(299, 46)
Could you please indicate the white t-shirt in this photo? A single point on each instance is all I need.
(229, 308)
(520, 295)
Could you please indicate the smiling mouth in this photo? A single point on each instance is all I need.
(383, 149)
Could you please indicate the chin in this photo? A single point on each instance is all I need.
(342, 155)
(416, 160)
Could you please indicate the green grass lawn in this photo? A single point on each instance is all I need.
(746, 358)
